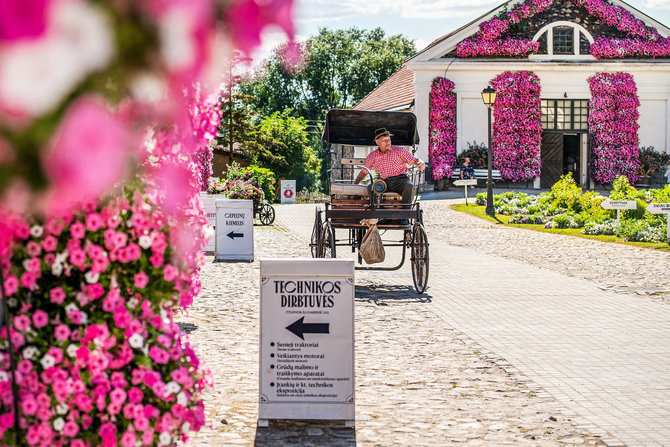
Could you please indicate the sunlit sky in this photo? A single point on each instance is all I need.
(420, 20)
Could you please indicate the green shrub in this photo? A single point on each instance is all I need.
(562, 221)
(264, 178)
(564, 195)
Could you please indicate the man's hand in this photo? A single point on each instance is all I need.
(420, 164)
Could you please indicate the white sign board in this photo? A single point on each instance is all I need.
(209, 207)
(661, 208)
(466, 182)
(619, 204)
(307, 339)
(234, 230)
(288, 191)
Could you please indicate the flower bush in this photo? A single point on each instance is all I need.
(493, 38)
(517, 129)
(652, 161)
(100, 361)
(261, 178)
(114, 69)
(566, 206)
(442, 128)
(613, 126)
(477, 153)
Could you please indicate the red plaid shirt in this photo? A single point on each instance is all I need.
(393, 162)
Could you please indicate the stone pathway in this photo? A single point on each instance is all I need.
(599, 353)
(419, 381)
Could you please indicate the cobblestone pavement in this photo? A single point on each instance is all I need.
(599, 353)
(419, 381)
(617, 267)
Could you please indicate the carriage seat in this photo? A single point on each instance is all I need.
(348, 189)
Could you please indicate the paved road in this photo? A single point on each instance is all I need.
(603, 355)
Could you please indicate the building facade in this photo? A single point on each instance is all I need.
(582, 84)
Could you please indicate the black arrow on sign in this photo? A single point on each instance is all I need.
(233, 235)
(299, 327)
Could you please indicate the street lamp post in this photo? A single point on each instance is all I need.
(489, 97)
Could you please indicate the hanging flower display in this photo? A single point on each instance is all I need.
(517, 126)
(442, 128)
(492, 38)
(92, 293)
(613, 126)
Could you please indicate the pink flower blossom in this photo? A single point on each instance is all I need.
(88, 155)
(141, 280)
(11, 285)
(22, 19)
(159, 355)
(62, 332)
(78, 230)
(248, 18)
(21, 322)
(170, 272)
(57, 295)
(40, 318)
(70, 429)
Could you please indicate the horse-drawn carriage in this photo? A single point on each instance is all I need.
(343, 221)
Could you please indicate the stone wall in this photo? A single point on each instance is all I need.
(338, 172)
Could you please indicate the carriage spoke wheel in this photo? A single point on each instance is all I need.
(266, 214)
(316, 234)
(327, 242)
(419, 259)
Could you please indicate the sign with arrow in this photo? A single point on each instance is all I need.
(299, 328)
(661, 208)
(307, 339)
(234, 230)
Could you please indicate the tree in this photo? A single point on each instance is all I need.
(288, 155)
(338, 69)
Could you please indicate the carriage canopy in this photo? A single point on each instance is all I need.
(357, 127)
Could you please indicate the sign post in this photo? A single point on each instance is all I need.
(234, 230)
(619, 205)
(307, 340)
(465, 183)
(662, 208)
(288, 191)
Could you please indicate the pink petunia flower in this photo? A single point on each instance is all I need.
(87, 156)
(23, 19)
(40, 318)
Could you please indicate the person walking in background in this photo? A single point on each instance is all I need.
(667, 174)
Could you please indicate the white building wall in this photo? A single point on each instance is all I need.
(556, 79)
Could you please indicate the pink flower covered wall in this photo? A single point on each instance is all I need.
(517, 126)
(613, 126)
(493, 38)
(442, 128)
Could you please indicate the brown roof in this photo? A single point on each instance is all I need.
(396, 91)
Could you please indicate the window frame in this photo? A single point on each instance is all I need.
(569, 124)
(577, 31)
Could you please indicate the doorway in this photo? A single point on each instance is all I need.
(560, 154)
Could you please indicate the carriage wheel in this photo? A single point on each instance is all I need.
(327, 242)
(419, 258)
(316, 234)
(266, 214)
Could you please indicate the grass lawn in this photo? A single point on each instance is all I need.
(501, 219)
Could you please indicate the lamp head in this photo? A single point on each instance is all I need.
(489, 95)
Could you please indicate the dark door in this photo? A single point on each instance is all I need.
(571, 158)
(552, 159)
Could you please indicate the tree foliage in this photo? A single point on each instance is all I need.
(287, 153)
(339, 67)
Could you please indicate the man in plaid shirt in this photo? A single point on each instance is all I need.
(390, 162)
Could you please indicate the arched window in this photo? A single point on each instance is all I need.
(563, 40)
